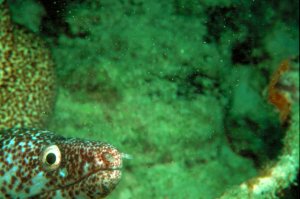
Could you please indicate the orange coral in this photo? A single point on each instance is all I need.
(276, 97)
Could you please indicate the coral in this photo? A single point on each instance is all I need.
(275, 95)
(280, 174)
(26, 76)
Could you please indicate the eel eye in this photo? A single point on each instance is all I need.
(51, 158)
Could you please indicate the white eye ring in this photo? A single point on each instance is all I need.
(51, 158)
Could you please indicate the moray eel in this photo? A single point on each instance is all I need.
(40, 164)
(37, 163)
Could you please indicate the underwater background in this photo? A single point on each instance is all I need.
(179, 85)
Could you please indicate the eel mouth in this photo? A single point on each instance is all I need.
(99, 182)
(100, 175)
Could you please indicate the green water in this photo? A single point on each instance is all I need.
(180, 85)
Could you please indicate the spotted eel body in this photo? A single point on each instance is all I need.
(37, 163)
(40, 164)
(26, 76)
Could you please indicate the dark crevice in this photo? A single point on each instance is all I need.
(219, 20)
(243, 52)
(54, 24)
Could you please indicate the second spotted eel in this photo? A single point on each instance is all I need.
(40, 164)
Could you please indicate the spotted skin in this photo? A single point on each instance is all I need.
(87, 169)
(27, 80)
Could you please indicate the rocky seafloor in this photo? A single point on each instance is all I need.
(179, 85)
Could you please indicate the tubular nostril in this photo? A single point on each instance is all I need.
(126, 156)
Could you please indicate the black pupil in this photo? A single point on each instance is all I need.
(51, 158)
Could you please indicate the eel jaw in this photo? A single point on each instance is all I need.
(96, 184)
(106, 181)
